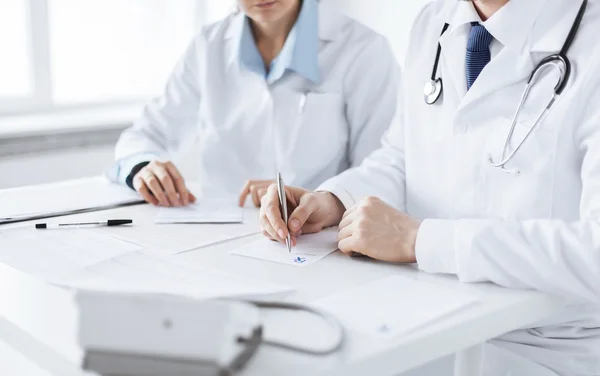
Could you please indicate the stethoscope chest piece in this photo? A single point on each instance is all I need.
(433, 90)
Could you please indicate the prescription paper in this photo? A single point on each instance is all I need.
(204, 211)
(309, 250)
(392, 306)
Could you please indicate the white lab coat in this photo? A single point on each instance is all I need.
(539, 229)
(248, 129)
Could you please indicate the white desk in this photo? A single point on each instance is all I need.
(500, 311)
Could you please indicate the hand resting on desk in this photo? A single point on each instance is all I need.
(161, 184)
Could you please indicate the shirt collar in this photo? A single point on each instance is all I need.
(464, 14)
(299, 53)
(511, 25)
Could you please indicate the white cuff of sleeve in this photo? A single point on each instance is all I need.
(435, 247)
(343, 195)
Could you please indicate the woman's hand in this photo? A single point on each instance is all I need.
(256, 189)
(161, 184)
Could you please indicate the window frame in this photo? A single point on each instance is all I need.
(40, 99)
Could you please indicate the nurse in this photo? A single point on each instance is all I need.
(445, 191)
(288, 86)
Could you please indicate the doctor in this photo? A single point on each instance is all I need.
(446, 191)
(283, 85)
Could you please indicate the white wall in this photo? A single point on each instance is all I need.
(392, 18)
(46, 167)
(72, 163)
(215, 10)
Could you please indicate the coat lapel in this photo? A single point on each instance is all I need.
(506, 69)
(454, 46)
(232, 37)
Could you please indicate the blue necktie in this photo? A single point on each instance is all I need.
(478, 52)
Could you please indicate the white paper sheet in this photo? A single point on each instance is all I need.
(170, 240)
(54, 252)
(204, 211)
(86, 258)
(309, 250)
(15, 362)
(141, 272)
(394, 305)
(63, 196)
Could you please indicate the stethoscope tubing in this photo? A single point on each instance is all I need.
(434, 88)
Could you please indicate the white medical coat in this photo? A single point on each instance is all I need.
(539, 229)
(249, 129)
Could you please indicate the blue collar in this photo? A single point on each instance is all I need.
(300, 53)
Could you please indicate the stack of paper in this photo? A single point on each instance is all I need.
(49, 254)
(204, 211)
(309, 250)
(394, 305)
(89, 259)
(140, 272)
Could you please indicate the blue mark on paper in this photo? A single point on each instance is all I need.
(299, 260)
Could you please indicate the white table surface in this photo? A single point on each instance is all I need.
(499, 311)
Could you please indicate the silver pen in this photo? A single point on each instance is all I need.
(284, 213)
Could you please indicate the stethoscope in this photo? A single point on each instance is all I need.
(434, 88)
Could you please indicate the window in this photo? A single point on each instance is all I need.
(107, 50)
(58, 54)
(15, 79)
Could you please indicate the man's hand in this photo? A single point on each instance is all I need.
(310, 212)
(375, 229)
(256, 189)
(160, 183)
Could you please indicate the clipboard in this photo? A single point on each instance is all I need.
(38, 216)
